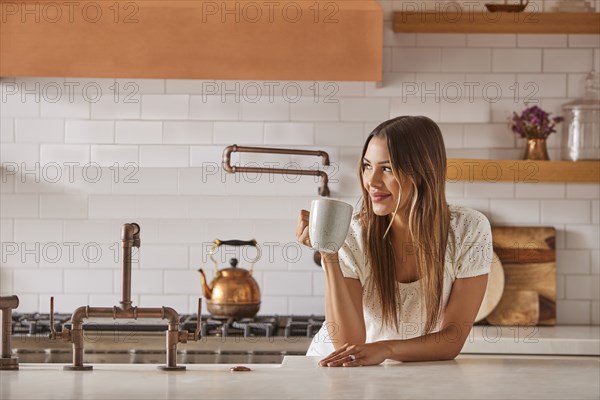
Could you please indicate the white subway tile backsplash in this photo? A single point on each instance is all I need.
(568, 60)
(289, 133)
(488, 136)
(141, 86)
(164, 156)
(67, 155)
(181, 282)
(164, 257)
(136, 132)
(21, 156)
(16, 104)
(32, 230)
(565, 211)
(542, 40)
(569, 262)
(536, 86)
(90, 231)
(241, 133)
(306, 305)
(209, 180)
(453, 135)
(415, 106)
(592, 41)
(127, 106)
(315, 109)
(88, 281)
(595, 262)
(265, 108)
(394, 85)
(519, 212)
(339, 134)
(441, 40)
(576, 85)
(6, 229)
(139, 181)
(273, 305)
(6, 281)
(90, 132)
(412, 59)
(560, 287)
(215, 107)
(187, 132)
(573, 312)
(88, 179)
(540, 190)
(490, 190)
(517, 60)
(583, 191)
(105, 207)
(355, 109)
(583, 236)
(287, 283)
(109, 155)
(66, 107)
(469, 60)
(63, 206)
(595, 312)
(178, 302)
(477, 111)
(19, 206)
(40, 130)
(7, 130)
(595, 211)
(584, 287)
(491, 40)
(142, 281)
(163, 106)
(37, 281)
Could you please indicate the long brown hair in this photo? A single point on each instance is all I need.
(417, 152)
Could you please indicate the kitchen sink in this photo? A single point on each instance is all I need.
(61, 356)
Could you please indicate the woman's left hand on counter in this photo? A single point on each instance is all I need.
(357, 355)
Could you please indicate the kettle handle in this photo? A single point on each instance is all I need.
(217, 243)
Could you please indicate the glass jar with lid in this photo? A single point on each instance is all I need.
(581, 130)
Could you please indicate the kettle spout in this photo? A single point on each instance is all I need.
(206, 289)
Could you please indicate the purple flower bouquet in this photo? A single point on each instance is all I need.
(534, 123)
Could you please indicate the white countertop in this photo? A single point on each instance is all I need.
(543, 340)
(467, 377)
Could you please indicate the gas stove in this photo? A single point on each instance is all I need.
(262, 339)
(259, 326)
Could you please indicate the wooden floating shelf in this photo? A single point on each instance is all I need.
(500, 22)
(519, 171)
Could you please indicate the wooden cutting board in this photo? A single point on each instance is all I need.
(529, 259)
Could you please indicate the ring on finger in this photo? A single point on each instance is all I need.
(352, 357)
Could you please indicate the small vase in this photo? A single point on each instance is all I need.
(536, 150)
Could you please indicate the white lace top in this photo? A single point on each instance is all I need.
(468, 254)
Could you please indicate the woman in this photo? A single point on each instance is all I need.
(410, 278)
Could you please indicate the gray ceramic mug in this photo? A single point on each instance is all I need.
(328, 224)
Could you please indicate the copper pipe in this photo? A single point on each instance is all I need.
(323, 190)
(7, 304)
(86, 312)
(130, 237)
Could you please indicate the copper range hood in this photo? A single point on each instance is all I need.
(195, 39)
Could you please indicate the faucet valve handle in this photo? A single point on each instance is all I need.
(53, 334)
(199, 323)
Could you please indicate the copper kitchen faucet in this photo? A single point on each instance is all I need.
(7, 304)
(323, 190)
(130, 237)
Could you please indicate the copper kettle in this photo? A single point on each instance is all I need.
(233, 293)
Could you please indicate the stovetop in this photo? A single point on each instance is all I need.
(259, 326)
